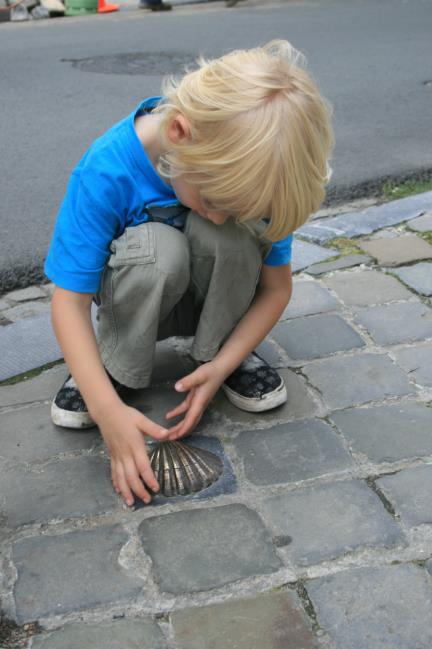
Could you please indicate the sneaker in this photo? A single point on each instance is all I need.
(68, 408)
(255, 386)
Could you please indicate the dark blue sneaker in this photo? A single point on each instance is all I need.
(255, 386)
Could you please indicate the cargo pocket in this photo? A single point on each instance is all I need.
(136, 246)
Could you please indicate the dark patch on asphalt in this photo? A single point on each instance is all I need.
(136, 63)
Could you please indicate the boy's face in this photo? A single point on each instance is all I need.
(188, 194)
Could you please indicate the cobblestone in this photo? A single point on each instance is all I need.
(331, 520)
(376, 378)
(83, 488)
(348, 261)
(24, 294)
(368, 220)
(409, 491)
(387, 433)
(40, 388)
(416, 360)
(422, 223)
(378, 607)
(316, 336)
(399, 250)
(26, 310)
(85, 561)
(204, 549)
(305, 254)
(291, 452)
(397, 323)
(272, 620)
(309, 298)
(366, 287)
(28, 434)
(417, 277)
(127, 634)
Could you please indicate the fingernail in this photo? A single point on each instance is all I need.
(179, 387)
(164, 431)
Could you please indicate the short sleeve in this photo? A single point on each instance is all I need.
(80, 246)
(280, 252)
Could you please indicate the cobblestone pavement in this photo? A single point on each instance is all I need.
(319, 534)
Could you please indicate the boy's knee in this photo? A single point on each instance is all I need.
(172, 254)
(208, 239)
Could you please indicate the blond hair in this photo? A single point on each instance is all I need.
(260, 136)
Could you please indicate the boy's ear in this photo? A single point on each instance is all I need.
(178, 129)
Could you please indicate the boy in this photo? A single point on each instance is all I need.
(178, 221)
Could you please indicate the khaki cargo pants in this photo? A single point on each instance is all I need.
(162, 282)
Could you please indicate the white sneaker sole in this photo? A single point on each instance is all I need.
(250, 404)
(69, 419)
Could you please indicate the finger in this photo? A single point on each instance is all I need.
(189, 381)
(147, 474)
(182, 407)
(135, 483)
(124, 487)
(178, 410)
(148, 427)
(114, 479)
(187, 425)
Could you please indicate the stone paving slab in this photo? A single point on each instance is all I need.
(87, 561)
(27, 344)
(366, 287)
(28, 434)
(40, 388)
(348, 261)
(398, 250)
(397, 323)
(120, 634)
(417, 277)
(291, 452)
(26, 310)
(24, 294)
(271, 620)
(268, 350)
(316, 336)
(304, 254)
(202, 549)
(410, 493)
(417, 361)
(62, 489)
(300, 404)
(226, 484)
(328, 521)
(386, 607)
(352, 380)
(387, 433)
(309, 298)
(422, 223)
(366, 221)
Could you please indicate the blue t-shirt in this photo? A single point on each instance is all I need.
(113, 187)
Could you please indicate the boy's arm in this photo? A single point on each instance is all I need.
(272, 296)
(122, 427)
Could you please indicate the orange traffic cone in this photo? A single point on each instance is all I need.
(104, 8)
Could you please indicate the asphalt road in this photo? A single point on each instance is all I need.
(373, 60)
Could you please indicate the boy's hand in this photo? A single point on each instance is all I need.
(123, 428)
(202, 385)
